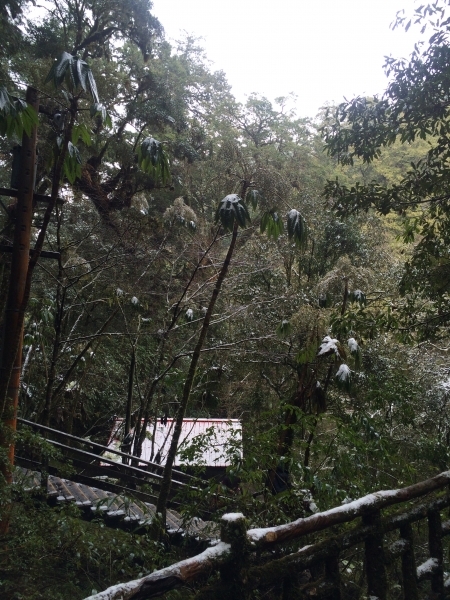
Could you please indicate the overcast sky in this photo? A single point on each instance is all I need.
(321, 50)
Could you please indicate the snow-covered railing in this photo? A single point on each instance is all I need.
(240, 553)
(91, 461)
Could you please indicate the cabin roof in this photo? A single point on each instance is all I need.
(210, 442)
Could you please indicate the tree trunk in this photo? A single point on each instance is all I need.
(22, 273)
(167, 475)
(12, 335)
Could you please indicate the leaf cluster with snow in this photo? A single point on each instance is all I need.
(343, 373)
(328, 346)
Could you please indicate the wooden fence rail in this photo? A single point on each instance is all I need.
(244, 564)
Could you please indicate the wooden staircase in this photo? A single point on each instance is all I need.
(124, 494)
(116, 510)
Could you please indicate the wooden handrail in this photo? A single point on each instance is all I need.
(119, 466)
(100, 446)
(347, 512)
(235, 551)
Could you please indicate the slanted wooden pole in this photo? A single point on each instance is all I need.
(12, 335)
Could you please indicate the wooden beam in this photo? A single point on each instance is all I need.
(36, 197)
(44, 253)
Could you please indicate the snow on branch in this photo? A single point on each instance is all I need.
(168, 578)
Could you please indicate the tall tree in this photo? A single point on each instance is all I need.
(414, 105)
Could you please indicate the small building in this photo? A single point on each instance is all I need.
(209, 443)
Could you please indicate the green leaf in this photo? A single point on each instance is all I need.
(272, 223)
(153, 160)
(72, 163)
(98, 110)
(81, 131)
(253, 197)
(16, 116)
(284, 328)
(75, 72)
(232, 209)
(6, 103)
(308, 354)
(297, 229)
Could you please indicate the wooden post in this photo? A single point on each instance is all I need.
(435, 547)
(233, 531)
(409, 570)
(333, 576)
(374, 553)
(19, 269)
(232, 584)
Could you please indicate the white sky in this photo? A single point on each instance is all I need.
(322, 50)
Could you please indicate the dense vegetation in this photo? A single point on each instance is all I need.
(200, 259)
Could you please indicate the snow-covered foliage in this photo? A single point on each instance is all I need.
(343, 373)
(284, 328)
(355, 351)
(353, 345)
(344, 377)
(427, 567)
(329, 346)
(358, 296)
(181, 213)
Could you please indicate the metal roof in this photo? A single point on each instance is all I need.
(209, 442)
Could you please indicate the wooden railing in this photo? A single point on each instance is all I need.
(384, 544)
(88, 465)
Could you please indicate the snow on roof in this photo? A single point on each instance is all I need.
(209, 442)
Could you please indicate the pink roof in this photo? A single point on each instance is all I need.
(217, 440)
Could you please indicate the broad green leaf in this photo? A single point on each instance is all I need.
(232, 209)
(297, 229)
(81, 131)
(75, 72)
(253, 197)
(284, 328)
(72, 163)
(16, 116)
(98, 109)
(272, 223)
(153, 160)
(5, 100)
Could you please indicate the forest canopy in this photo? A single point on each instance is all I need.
(194, 256)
